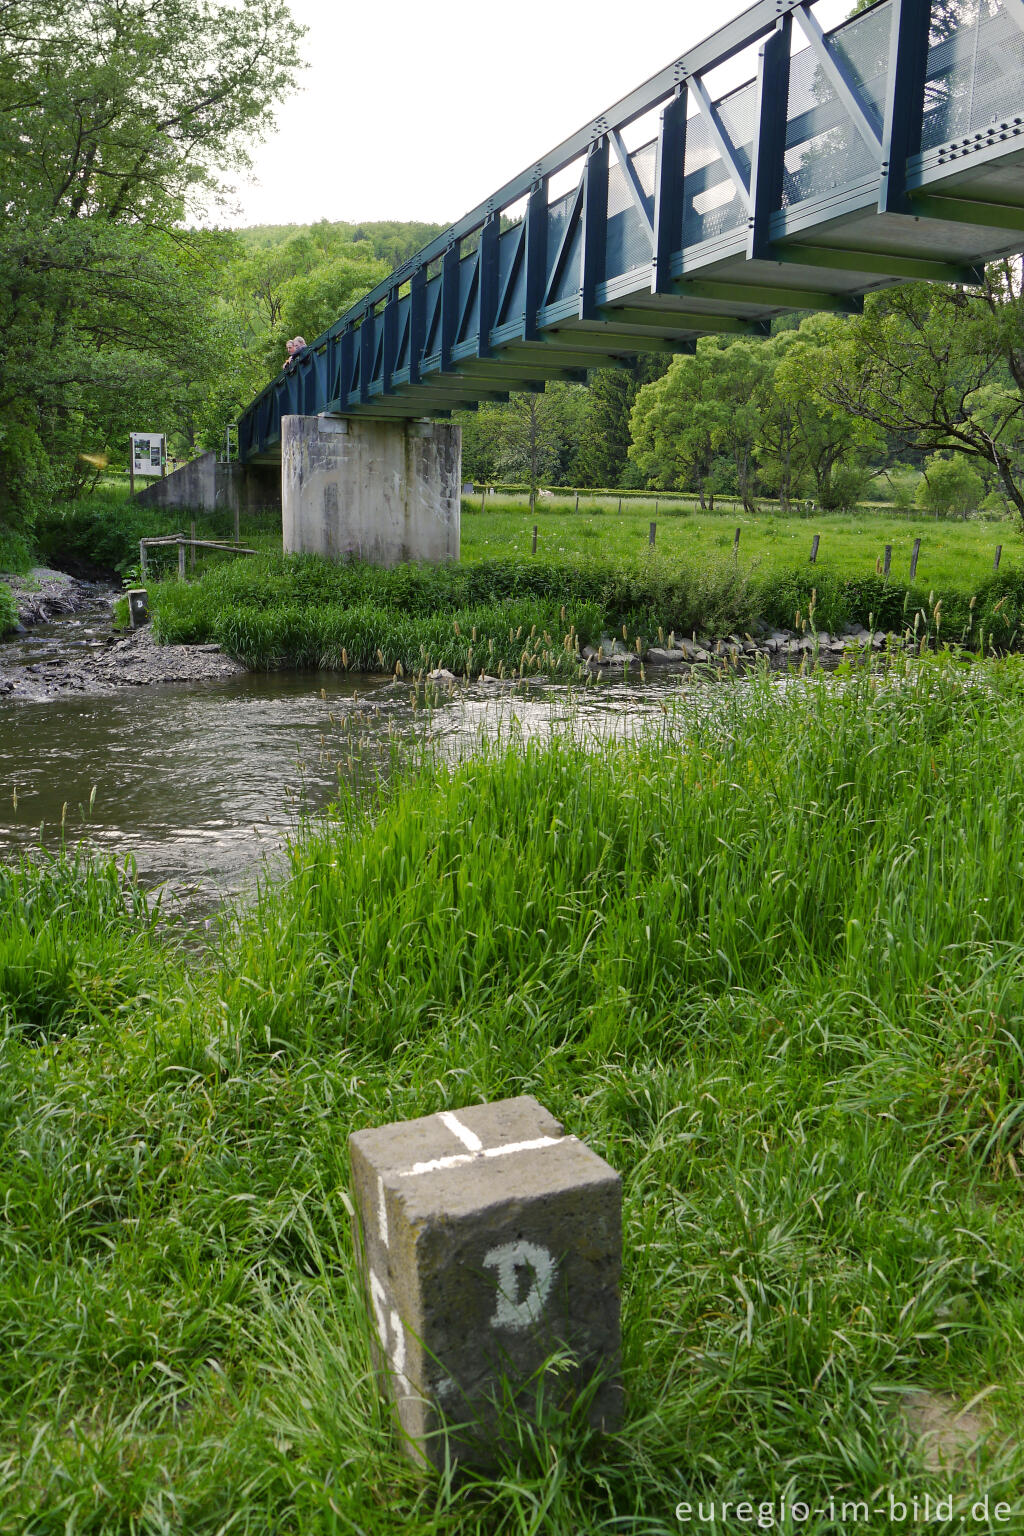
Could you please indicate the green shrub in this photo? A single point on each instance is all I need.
(8, 609)
(25, 477)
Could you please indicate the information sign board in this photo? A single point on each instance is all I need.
(149, 453)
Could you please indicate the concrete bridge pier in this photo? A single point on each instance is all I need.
(369, 489)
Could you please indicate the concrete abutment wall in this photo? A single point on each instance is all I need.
(380, 491)
(206, 484)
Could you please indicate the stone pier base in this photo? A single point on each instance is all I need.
(380, 491)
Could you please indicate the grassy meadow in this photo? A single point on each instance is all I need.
(954, 553)
(766, 959)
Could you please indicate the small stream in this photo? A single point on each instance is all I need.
(202, 783)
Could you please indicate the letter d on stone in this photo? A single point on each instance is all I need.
(515, 1310)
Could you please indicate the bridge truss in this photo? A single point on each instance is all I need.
(888, 149)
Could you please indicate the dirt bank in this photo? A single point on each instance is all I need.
(44, 594)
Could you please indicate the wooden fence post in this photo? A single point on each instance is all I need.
(192, 552)
(653, 534)
(142, 557)
(736, 545)
(999, 556)
(887, 561)
(535, 538)
(181, 557)
(814, 548)
(913, 558)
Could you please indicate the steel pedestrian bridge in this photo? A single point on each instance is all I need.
(888, 149)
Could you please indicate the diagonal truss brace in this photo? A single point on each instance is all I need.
(636, 191)
(839, 78)
(721, 138)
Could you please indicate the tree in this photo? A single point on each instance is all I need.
(950, 488)
(706, 406)
(818, 437)
(117, 120)
(531, 438)
(603, 449)
(941, 369)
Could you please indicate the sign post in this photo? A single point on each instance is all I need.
(148, 457)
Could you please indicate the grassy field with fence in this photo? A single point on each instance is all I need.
(953, 553)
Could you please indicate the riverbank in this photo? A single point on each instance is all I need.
(43, 594)
(72, 648)
(766, 959)
(516, 617)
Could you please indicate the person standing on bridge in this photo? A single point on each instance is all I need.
(293, 348)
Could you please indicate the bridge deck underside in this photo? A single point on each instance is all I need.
(899, 156)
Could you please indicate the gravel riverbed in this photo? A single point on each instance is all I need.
(47, 658)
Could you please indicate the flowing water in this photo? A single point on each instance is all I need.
(202, 783)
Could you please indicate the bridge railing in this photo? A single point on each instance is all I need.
(686, 231)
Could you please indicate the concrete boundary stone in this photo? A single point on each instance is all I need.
(489, 1241)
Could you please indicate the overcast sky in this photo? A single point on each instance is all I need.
(410, 110)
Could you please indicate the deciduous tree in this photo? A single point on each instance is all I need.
(118, 120)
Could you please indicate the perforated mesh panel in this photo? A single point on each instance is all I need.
(975, 70)
(469, 285)
(824, 148)
(558, 218)
(515, 303)
(713, 205)
(863, 46)
(629, 240)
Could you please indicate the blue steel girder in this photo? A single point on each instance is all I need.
(889, 149)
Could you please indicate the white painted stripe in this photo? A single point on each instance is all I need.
(527, 1146)
(470, 1140)
(457, 1159)
(437, 1163)
(382, 1211)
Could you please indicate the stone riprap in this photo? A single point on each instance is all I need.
(44, 595)
(489, 1241)
(778, 646)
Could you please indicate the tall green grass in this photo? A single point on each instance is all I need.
(74, 940)
(302, 611)
(768, 960)
(306, 612)
(8, 609)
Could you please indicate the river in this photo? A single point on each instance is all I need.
(203, 783)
